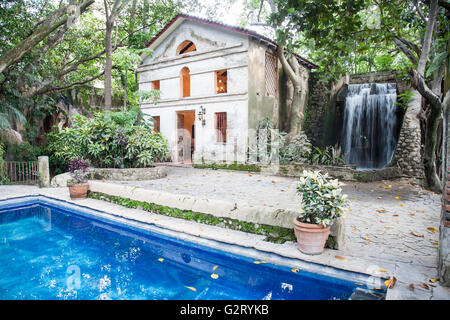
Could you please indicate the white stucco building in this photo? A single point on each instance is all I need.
(216, 83)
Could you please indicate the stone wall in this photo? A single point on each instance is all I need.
(344, 173)
(315, 115)
(407, 155)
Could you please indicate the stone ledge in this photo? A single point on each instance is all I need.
(342, 173)
(218, 208)
(127, 174)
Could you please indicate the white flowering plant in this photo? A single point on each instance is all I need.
(322, 198)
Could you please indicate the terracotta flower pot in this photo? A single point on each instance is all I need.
(78, 190)
(311, 238)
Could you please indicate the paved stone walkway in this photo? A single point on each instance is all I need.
(386, 218)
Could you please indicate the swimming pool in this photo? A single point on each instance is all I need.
(52, 249)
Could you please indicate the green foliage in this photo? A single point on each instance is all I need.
(233, 166)
(109, 139)
(283, 233)
(404, 99)
(329, 156)
(3, 176)
(322, 198)
(297, 150)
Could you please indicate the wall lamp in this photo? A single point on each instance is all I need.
(201, 115)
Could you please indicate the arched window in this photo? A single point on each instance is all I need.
(185, 47)
(185, 82)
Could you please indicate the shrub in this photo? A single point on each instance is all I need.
(109, 139)
(329, 156)
(298, 149)
(322, 199)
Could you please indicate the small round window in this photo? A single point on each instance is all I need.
(185, 47)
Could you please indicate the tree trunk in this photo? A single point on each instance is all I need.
(108, 65)
(125, 90)
(292, 69)
(429, 156)
(110, 20)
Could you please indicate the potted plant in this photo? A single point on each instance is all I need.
(78, 185)
(322, 202)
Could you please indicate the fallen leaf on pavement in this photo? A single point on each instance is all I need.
(381, 210)
(416, 234)
(341, 258)
(424, 285)
(411, 287)
(431, 229)
(390, 283)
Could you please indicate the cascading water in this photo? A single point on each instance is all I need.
(369, 135)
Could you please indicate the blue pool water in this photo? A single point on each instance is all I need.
(51, 250)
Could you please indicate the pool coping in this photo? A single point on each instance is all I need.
(336, 259)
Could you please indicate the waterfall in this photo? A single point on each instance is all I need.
(369, 135)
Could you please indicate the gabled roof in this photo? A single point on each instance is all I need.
(178, 19)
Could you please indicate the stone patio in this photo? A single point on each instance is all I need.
(391, 227)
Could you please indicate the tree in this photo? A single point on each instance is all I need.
(63, 15)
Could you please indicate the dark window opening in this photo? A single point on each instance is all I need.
(220, 125)
(185, 47)
(221, 81)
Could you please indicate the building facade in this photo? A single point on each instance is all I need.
(215, 84)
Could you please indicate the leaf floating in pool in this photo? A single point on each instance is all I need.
(192, 288)
(160, 259)
(256, 262)
(295, 270)
(214, 275)
(215, 267)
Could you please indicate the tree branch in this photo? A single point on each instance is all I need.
(419, 12)
(287, 67)
(406, 50)
(432, 16)
(59, 88)
(418, 82)
(43, 30)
